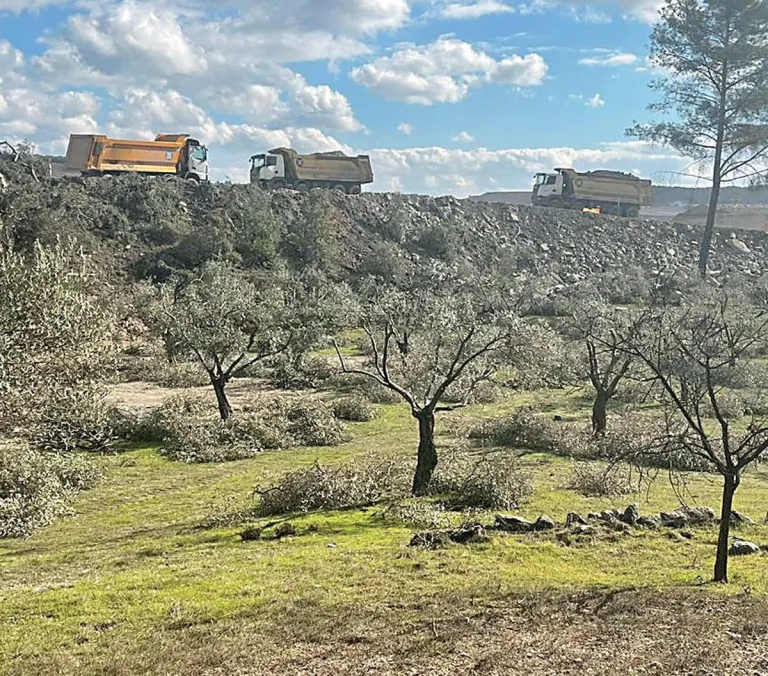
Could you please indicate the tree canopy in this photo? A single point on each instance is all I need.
(714, 55)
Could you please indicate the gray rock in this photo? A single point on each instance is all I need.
(544, 522)
(698, 516)
(473, 532)
(513, 524)
(674, 519)
(650, 522)
(739, 519)
(614, 524)
(582, 529)
(575, 519)
(594, 516)
(743, 548)
(630, 515)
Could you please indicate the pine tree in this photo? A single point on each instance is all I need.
(715, 54)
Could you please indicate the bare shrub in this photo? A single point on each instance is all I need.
(73, 420)
(204, 440)
(182, 375)
(355, 408)
(301, 374)
(312, 423)
(638, 439)
(36, 487)
(190, 431)
(318, 487)
(523, 429)
(415, 514)
(484, 393)
(365, 387)
(495, 483)
(456, 464)
(487, 483)
(594, 480)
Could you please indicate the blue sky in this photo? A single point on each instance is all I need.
(448, 96)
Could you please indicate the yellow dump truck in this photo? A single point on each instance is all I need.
(168, 155)
(613, 192)
(285, 168)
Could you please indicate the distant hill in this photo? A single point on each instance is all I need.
(662, 196)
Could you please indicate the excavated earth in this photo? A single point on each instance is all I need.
(572, 244)
(565, 245)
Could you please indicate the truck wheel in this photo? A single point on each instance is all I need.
(557, 203)
(355, 190)
(276, 184)
(632, 212)
(303, 187)
(192, 179)
(340, 188)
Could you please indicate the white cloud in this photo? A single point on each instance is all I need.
(433, 169)
(474, 9)
(143, 44)
(405, 128)
(463, 137)
(609, 58)
(596, 101)
(135, 38)
(594, 11)
(444, 71)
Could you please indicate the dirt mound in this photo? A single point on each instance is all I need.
(146, 226)
(729, 216)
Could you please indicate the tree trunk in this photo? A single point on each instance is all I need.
(730, 485)
(427, 453)
(709, 228)
(219, 387)
(600, 415)
(717, 175)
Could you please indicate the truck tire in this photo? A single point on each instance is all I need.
(302, 187)
(632, 212)
(277, 184)
(340, 188)
(193, 179)
(355, 190)
(557, 203)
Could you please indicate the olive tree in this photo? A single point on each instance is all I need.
(598, 327)
(431, 337)
(714, 54)
(228, 319)
(693, 352)
(57, 348)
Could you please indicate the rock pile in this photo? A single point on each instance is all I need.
(437, 539)
(610, 522)
(578, 244)
(564, 246)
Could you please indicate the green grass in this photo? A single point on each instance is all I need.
(132, 569)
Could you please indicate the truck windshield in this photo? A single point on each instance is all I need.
(258, 161)
(540, 178)
(199, 153)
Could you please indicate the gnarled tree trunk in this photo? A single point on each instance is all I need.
(427, 458)
(219, 387)
(600, 415)
(731, 483)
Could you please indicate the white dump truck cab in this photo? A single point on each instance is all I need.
(548, 187)
(266, 167)
(194, 164)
